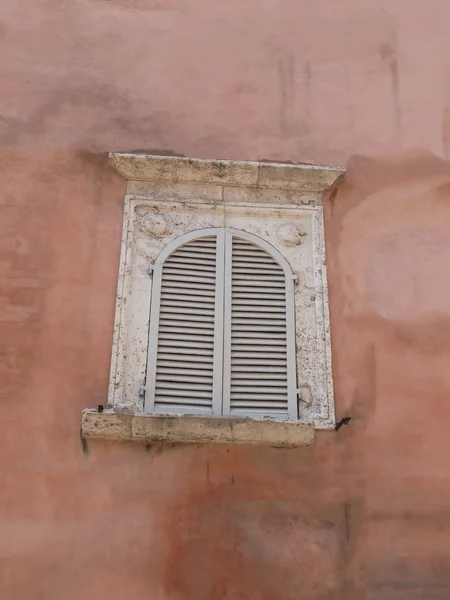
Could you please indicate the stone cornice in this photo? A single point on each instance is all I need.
(174, 169)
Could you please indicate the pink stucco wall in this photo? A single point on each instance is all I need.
(363, 514)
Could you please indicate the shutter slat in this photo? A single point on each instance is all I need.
(252, 314)
(260, 328)
(187, 310)
(187, 298)
(196, 265)
(205, 275)
(250, 378)
(269, 386)
(254, 275)
(203, 243)
(263, 268)
(197, 253)
(258, 302)
(263, 259)
(264, 397)
(184, 362)
(186, 289)
(180, 375)
(182, 369)
(201, 289)
(260, 355)
(257, 360)
(168, 347)
(242, 345)
(202, 344)
(182, 392)
(252, 308)
(181, 316)
(258, 370)
(257, 334)
(253, 290)
(175, 334)
(180, 302)
(263, 409)
(257, 321)
(254, 295)
(244, 284)
(194, 327)
(188, 386)
(206, 282)
(172, 404)
(180, 401)
(254, 343)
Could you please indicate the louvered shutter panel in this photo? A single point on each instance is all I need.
(221, 336)
(186, 334)
(259, 373)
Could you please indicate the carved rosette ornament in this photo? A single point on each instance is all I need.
(290, 234)
(156, 225)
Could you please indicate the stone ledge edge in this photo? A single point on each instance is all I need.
(184, 429)
(149, 167)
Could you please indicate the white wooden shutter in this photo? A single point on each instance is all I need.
(259, 370)
(185, 354)
(221, 336)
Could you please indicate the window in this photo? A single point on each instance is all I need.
(221, 335)
(222, 304)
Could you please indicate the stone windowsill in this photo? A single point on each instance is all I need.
(194, 429)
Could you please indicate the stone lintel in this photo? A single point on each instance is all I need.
(194, 429)
(174, 169)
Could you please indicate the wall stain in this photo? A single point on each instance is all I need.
(84, 444)
(141, 5)
(307, 75)
(352, 462)
(388, 55)
(364, 399)
(286, 82)
(119, 108)
(350, 99)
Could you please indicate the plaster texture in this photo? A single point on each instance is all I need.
(361, 514)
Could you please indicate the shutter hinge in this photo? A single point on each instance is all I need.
(149, 270)
(299, 279)
(142, 390)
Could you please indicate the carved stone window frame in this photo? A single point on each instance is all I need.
(170, 196)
